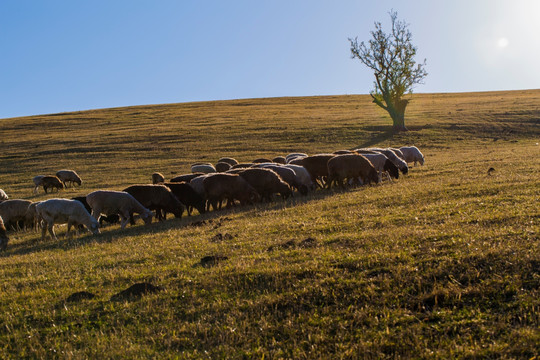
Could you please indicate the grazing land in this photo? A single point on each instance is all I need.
(442, 263)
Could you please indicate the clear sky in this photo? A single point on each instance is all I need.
(71, 55)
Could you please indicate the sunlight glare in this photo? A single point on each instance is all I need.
(503, 42)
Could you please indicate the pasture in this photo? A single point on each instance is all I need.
(442, 263)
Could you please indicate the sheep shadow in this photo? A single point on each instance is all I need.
(214, 218)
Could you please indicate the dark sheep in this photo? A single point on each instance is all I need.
(242, 166)
(50, 181)
(289, 176)
(157, 178)
(187, 196)
(316, 165)
(266, 182)
(186, 177)
(350, 167)
(222, 166)
(261, 160)
(230, 187)
(279, 160)
(3, 236)
(157, 197)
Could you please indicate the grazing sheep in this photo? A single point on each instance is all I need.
(289, 176)
(228, 160)
(62, 211)
(290, 157)
(304, 177)
(49, 182)
(37, 182)
(3, 236)
(14, 212)
(412, 154)
(157, 178)
(401, 164)
(343, 152)
(316, 165)
(108, 202)
(398, 152)
(266, 182)
(383, 165)
(230, 187)
(31, 218)
(222, 166)
(68, 176)
(242, 166)
(188, 196)
(111, 219)
(197, 184)
(3, 196)
(157, 197)
(350, 167)
(279, 160)
(186, 177)
(261, 160)
(206, 168)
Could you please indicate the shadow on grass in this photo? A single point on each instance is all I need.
(382, 133)
(213, 218)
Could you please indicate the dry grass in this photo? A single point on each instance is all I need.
(443, 263)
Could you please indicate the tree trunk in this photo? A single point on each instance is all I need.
(398, 116)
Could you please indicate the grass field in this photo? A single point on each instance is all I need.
(442, 263)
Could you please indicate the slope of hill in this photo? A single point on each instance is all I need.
(443, 262)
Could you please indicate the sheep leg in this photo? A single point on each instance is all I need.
(50, 226)
(43, 232)
(124, 219)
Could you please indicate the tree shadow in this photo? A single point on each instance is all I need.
(381, 133)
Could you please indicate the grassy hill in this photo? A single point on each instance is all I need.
(442, 263)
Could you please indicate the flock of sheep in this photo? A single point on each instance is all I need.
(206, 187)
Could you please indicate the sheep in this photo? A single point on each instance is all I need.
(37, 182)
(157, 178)
(304, 177)
(266, 182)
(343, 152)
(279, 160)
(316, 165)
(14, 211)
(31, 217)
(351, 167)
(188, 196)
(62, 211)
(50, 181)
(3, 236)
(197, 184)
(222, 166)
(398, 152)
(402, 165)
(383, 165)
(412, 154)
(68, 176)
(289, 176)
(242, 166)
(206, 168)
(110, 202)
(157, 197)
(290, 157)
(186, 177)
(228, 160)
(3, 196)
(223, 186)
(111, 219)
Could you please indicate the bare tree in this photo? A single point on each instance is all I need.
(391, 57)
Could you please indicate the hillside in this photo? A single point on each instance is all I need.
(441, 263)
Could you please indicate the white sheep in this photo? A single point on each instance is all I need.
(37, 182)
(3, 196)
(64, 211)
(69, 176)
(108, 202)
(400, 163)
(412, 154)
(304, 177)
(383, 165)
(206, 168)
(290, 157)
(13, 211)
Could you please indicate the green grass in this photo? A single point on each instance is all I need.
(442, 263)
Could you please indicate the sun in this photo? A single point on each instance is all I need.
(502, 42)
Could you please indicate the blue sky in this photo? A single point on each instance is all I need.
(70, 55)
